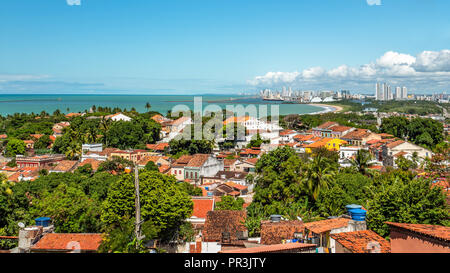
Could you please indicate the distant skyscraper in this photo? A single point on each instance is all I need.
(404, 93)
(379, 93)
(398, 93)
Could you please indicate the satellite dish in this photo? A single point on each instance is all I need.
(21, 225)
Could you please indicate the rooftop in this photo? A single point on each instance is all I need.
(62, 241)
(435, 231)
(327, 225)
(272, 248)
(360, 241)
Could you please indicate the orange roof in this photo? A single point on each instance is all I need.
(327, 225)
(236, 120)
(320, 143)
(61, 241)
(250, 151)
(303, 137)
(164, 168)
(236, 186)
(435, 231)
(287, 132)
(252, 160)
(202, 206)
(357, 134)
(198, 160)
(158, 146)
(3, 136)
(94, 163)
(37, 136)
(229, 162)
(271, 248)
(65, 166)
(73, 115)
(395, 144)
(370, 142)
(340, 128)
(359, 241)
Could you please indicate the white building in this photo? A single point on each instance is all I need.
(118, 117)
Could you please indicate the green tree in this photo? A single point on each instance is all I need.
(317, 175)
(230, 203)
(405, 200)
(362, 161)
(162, 202)
(151, 166)
(70, 209)
(43, 142)
(15, 147)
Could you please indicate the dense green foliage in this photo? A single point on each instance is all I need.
(230, 203)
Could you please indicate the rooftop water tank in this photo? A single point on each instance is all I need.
(42, 221)
(352, 207)
(275, 218)
(358, 215)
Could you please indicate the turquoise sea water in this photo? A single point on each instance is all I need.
(10, 104)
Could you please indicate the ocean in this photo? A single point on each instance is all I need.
(10, 104)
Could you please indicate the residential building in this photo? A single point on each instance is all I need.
(277, 232)
(391, 149)
(64, 166)
(224, 226)
(68, 243)
(118, 117)
(419, 238)
(202, 205)
(362, 241)
(39, 161)
(131, 155)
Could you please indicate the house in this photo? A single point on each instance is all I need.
(224, 226)
(360, 137)
(225, 176)
(38, 161)
(103, 155)
(202, 205)
(288, 135)
(118, 117)
(323, 129)
(64, 166)
(419, 238)
(335, 144)
(247, 165)
(278, 248)
(362, 241)
(202, 165)
(68, 242)
(338, 131)
(389, 151)
(177, 168)
(319, 232)
(178, 125)
(95, 164)
(252, 152)
(3, 136)
(72, 115)
(230, 164)
(277, 232)
(159, 148)
(131, 155)
(158, 160)
(317, 145)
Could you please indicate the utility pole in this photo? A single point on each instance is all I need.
(137, 204)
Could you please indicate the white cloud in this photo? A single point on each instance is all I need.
(73, 2)
(20, 77)
(374, 2)
(429, 70)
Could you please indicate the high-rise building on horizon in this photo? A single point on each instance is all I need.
(398, 93)
(404, 93)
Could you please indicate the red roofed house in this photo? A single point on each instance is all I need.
(419, 238)
(363, 241)
(68, 242)
(201, 207)
(158, 147)
(319, 232)
(389, 151)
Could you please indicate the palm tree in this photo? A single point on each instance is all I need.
(317, 174)
(362, 161)
(148, 106)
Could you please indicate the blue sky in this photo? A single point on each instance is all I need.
(218, 46)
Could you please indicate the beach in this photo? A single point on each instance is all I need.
(327, 108)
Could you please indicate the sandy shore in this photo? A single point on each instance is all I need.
(327, 108)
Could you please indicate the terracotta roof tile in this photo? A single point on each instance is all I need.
(158, 146)
(94, 163)
(223, 221)
(60, 241)
(435, 231)
(360, 241)
(327, 125)
(327, 225)
(272, 248)
(275, 232)
(202, 206)
(340, 128)
(65, 166)
(198, 160)
(395, 144)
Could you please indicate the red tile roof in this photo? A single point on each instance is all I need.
(252, 161)
(64, 241)
(327, 125)
(287, 132)
(198, 160)
(94, 163)
(65, 166)
(340, 128)
(3, 136)
(275, 232)
(202, 206)
(327, 225)
(220, 221)
(435, 231)
(158, 146)
(395, 144)
(362, 241)
(303, 137)
(236, 186)
(272, 248)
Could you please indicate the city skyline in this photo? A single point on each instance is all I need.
(229, 47)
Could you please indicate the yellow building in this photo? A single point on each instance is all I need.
(332, 144)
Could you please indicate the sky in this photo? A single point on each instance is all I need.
(222, 46)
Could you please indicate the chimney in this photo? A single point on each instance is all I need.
(28, 237)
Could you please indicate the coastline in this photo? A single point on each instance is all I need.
(326, 108)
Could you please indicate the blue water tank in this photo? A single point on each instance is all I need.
(352, 207)
(358, 215)
(207, 188)
(210, 194)
(43, 221)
